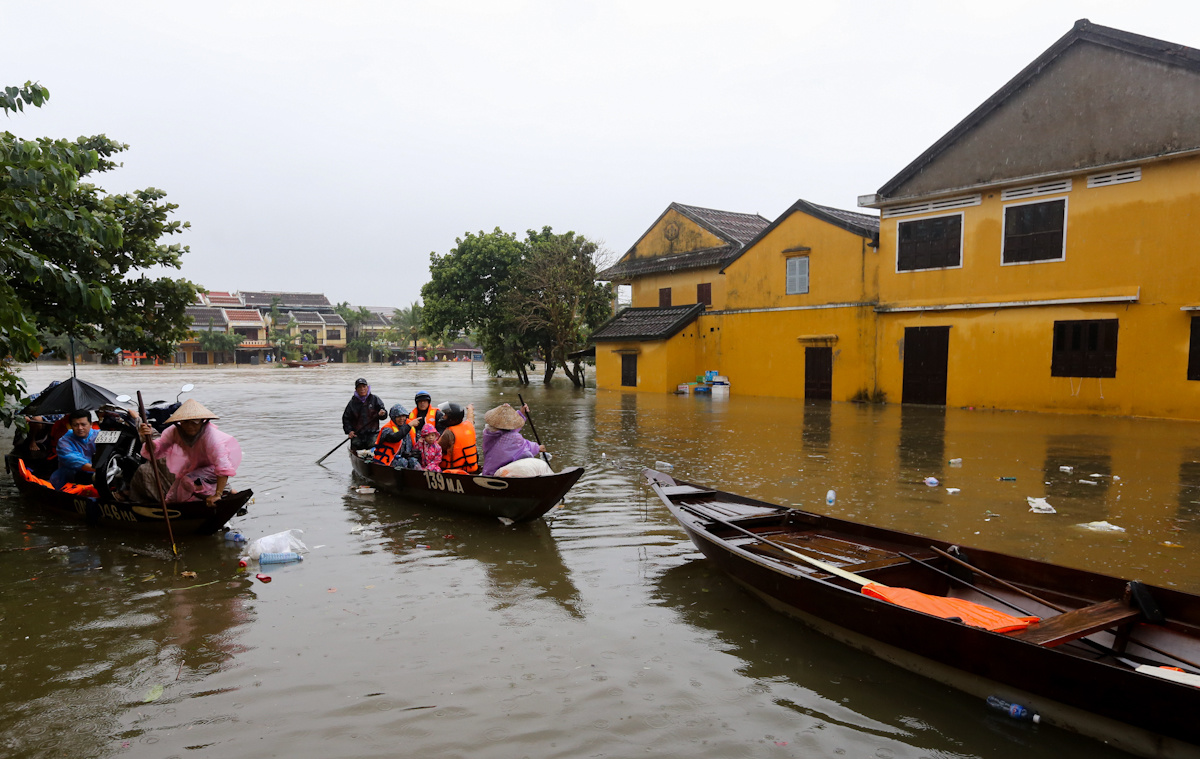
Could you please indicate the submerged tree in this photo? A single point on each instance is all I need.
(74, 256)
(521, 297)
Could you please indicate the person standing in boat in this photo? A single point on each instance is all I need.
(423, 413)
(459, 452)
(360, 420)
(200, 457)
(76, 450)
(502, 442)
(393, 446)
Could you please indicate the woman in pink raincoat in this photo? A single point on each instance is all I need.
(201, 457)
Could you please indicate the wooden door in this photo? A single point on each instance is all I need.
(628, 370)
(818, 374)
(926, 350)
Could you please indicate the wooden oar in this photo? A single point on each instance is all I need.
(162, 496)
(1056, 607)
(339, 445)
(827, 568)
(532, 426)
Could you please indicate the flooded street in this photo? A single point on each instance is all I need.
(598, 632)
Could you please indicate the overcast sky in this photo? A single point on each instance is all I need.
(330, 147)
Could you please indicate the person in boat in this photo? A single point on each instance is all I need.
(502, 442)
(459, 451)
(429, 450)
(423, 413)
(393, 445)
(76, 450)
(199, 457)
(360, 420)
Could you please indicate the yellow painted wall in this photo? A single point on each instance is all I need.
(658, 362)
(671, 234)
(1119, 238)
(683, 287)
(842, 268)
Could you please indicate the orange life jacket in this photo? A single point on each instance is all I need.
(74, 488)
(464, 455)
(386, 452)
(414, 430)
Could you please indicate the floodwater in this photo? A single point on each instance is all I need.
(599, 632)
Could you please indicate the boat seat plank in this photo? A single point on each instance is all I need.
(1079, 623)
(680, 490)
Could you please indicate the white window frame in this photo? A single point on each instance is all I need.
(1003, 237)
(788, 287)
(962, 232)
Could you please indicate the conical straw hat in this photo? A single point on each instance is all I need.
(191, 410)
(504, 417)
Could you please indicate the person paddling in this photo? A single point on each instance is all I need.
(502, 442)
(360, 420)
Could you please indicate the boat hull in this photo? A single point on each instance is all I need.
(1139, 713)
(189, 518)
(519, 499)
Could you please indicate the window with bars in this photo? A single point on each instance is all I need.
(704, 293)
(1085, 348)
(797, 275)
(933, 243)
(1035, 231)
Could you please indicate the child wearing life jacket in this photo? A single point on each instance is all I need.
(429, 450)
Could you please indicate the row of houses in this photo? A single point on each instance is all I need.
(248, 314)
(1038, 256)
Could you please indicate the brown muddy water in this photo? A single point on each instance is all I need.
(598, 633)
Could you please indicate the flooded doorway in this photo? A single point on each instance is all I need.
(926, 350)
(818, 374)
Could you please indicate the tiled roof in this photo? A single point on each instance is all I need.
(221, 299)
(334, 320)
(375, 321)
(1165, 53)
(244, 316)
(286, 300)
(696, 259)
(647, 323)
(862, 224)
(738, 227)
(305, 317)
(200, 316)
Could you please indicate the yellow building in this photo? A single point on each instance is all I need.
(781, 308)
(1039, 255)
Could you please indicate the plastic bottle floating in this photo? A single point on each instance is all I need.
(1016, 711)
(279, 558)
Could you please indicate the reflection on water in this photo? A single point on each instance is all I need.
(602, 632)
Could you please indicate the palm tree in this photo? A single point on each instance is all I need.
(410, 323)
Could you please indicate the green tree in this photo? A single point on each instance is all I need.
(74, 257)
(410, 324)
(280, 333)
(466, 293)
(556, 299)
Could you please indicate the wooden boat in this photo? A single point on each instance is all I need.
(1110, 659)
(519, 499)
(290, 363)
(189, 518)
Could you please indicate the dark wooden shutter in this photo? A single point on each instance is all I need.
(629, 369)
(926, 353)
(1194, 350)
(704, 293)
(818, 374)
(664, 297)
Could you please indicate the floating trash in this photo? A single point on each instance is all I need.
(1088, 482)
(364, 490)
(1040, 506)
(931, 482)
(1067, 469)
(955, 462)
(1101, 527)
(952, 491)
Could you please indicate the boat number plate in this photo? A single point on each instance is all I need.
(107, 436)
(435, 481)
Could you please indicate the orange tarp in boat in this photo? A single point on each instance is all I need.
(971, 613)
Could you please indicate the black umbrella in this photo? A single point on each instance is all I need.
(69, 395)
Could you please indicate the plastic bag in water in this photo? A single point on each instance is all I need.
(280, 542)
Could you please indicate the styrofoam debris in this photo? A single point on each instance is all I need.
(1039, 506)
(1101, 527)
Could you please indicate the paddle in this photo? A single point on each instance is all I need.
(162, 497)
(533, 427)
(339, 445)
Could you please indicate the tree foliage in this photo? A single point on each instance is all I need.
(521, 297)
(74, 256)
